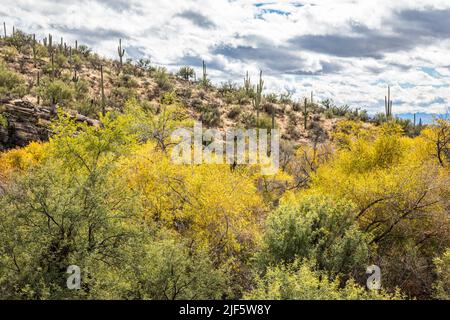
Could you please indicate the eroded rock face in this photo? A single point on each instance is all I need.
(26, 122)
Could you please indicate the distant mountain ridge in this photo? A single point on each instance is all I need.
(427, 118)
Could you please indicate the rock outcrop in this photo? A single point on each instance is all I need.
(22, 122)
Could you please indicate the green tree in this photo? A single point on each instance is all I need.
(186, 73)
(317, 228)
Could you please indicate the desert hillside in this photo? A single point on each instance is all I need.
(358, 207)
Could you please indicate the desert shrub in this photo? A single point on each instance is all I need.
(269, 108)
(242, 97)
(3, 121)
(56, 92)
(87, 107)
(234, 112)
(442, 269)
(12, 85)
(20, 41)
(81, 89)
(317, 228)
(341, 111)
(202, 94)
(84, 50)
(265, 121)
(228, 87)
(128, 81)
(210, 114)
(9, 53)
(60, 62)
(329, 114)
(119, 95)
(248, 119)
(145, 65)
(271, 98)
(301, 281)
(196, 104)
(162, 79)
(184, 92)
(296, 106)
(286, 97)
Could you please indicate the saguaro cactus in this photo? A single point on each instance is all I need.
(33, 46)
(247, 84)
(305, 114)
(4, 29)
(204, 75)
(388, 104)
(50, 43)
(273, 118)
(38, 85)
(103, 90)
(258, 97)
(121, 52)
(53, 64)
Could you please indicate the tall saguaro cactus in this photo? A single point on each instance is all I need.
(204, 75)
(33, 46)
(53, 64)
(388, 104)
(273, 118)
(38, 85)
(258, 97)
(305, 114)
(4, 29)
(103, 91)
(50, 43)
(121, 52)
(247, 84)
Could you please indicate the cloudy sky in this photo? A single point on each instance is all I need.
(348, 51)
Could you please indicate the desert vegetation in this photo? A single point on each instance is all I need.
(102, 192)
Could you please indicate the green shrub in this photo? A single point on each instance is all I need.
(128, 81)
(265, 121)
(56, 92)
(162, 79)
(442, 268)
(12, 85)
(119, 95)
(248, 119)
(210, 115)
(301, 281)
(317, 228)
(87, 107)
(3, 121)
(9, 53)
